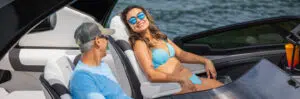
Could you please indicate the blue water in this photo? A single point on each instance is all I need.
(181, 17)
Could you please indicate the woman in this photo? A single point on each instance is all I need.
(160, 58)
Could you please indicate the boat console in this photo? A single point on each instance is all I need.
(264, 81)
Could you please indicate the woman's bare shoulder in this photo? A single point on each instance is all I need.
(139, 44)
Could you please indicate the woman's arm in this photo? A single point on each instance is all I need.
(187, 57)
(141, 52)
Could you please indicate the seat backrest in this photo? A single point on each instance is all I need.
(57, 74)
(121, 38)
(76, 59)
(148, 89)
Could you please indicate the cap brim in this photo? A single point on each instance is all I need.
(107, 31)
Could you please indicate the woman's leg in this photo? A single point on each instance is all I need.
(184, 90)
(205, 85)
(208, 84)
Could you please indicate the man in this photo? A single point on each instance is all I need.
(92, 78)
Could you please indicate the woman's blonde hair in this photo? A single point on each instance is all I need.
(133, 36)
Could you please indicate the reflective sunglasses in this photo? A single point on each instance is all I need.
(103, 36)
(133, 19)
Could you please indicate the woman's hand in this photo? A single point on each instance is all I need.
(210, 69)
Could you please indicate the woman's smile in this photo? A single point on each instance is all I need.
(140, 23)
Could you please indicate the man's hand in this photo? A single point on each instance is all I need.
(210, 69)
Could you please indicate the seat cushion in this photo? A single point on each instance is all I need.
(25, 95)
(32, 94)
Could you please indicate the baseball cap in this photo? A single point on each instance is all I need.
(89, 31)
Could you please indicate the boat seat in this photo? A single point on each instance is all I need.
(148, 89)
(55, 79)
(58, 71)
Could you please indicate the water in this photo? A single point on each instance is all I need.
(181, 17)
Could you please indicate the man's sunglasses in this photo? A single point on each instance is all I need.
(133, 19)
(103, 36)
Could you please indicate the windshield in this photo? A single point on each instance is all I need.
(191, 16)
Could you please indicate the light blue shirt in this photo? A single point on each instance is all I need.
(95, 83)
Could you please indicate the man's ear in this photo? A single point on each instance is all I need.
(97, 41)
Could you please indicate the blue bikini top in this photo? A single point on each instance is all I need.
(161, 56)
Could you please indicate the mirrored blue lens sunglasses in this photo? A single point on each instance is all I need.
(133, 19)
